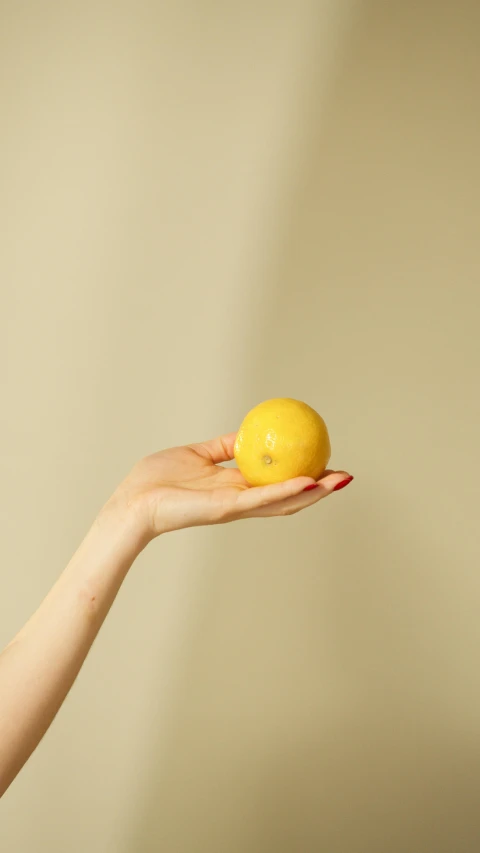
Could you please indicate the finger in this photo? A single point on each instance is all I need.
(217, 449)
(331, 480)
(297, 500)
(260, 496)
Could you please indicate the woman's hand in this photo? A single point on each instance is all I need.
(183, 487)
(189, 486)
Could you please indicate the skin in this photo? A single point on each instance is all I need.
(174, 489)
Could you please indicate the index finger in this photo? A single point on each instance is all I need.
(263, 496)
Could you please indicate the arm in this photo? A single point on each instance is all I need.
(38, 668)
(174, 489)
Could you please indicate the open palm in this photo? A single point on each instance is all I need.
(188, 486)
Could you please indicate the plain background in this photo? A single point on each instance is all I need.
(205, 204)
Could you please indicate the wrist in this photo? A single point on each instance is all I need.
(123, 525)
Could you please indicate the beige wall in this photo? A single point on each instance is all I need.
(205, 204)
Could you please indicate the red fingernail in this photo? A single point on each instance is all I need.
(342, 484)
(310, 487)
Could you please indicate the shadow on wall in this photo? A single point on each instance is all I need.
(324, 705)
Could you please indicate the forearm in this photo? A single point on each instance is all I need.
(40, 665)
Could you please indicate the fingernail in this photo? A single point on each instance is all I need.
(343, 483)
(310, 487)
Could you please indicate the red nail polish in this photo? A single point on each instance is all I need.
(310, 487)
(342, 484)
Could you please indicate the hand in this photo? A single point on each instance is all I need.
(183, 487)
(188, 487)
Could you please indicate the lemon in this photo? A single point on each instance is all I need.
(281, 439)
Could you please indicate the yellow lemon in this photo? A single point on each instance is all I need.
(281, 439)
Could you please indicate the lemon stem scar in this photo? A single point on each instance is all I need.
(268, 460)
